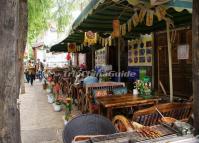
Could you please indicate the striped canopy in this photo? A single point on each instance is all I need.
(99, 14)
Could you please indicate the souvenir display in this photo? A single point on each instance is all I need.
(140, 51)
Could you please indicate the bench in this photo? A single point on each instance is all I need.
(150, 116)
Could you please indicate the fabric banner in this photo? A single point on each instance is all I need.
(129, 23)
(160, 12)
(142, 14)
(135, 19)
(149, 18)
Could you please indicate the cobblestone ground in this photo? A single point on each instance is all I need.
(39, 123)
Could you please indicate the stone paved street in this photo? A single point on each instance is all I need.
(39, 123)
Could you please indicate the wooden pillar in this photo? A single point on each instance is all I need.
(77, 56)
(195, 64)
(170, 61)
(118, 56)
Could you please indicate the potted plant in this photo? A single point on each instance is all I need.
(49, 88)
(51, 98)
(57, 106)
(45, 85)
(67, 117)
(143, 88)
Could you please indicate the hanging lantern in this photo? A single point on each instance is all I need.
(68, 57)
(116, 28)
(72, 47)
(135, 19)
(90, 38)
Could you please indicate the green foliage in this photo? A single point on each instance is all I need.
(63, 13)
(38, 16)
(42, 12)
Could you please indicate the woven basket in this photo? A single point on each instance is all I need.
(88, 124)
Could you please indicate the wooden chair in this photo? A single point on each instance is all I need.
(150, 117)
(88, 98)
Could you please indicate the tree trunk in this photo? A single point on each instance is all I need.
(195, 45)
(22, 84)
(10, 57)
(23, 27)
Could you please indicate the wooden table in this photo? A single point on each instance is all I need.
(112, 102)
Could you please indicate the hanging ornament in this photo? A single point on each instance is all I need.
(149, 18)
(129, 23)
(68, 57)
(106, 42)
(103, 42)
(110, 41)
(116, 28)
(123, 29)
(81, 47)
(142, 14)
(135, 19)
(72, 47)
(160, 12)
(90, 38)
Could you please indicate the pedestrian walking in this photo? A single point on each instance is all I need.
(31, 72)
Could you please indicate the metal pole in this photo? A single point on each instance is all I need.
(170, 61)
(118, 56)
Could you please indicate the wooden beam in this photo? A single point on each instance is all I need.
(195, 64)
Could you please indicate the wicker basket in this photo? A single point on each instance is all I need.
(88, 124)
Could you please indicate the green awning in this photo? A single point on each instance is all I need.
(61, 47)
(99, 14)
